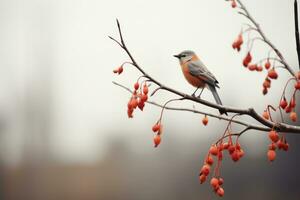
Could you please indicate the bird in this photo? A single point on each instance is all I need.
(197, 74)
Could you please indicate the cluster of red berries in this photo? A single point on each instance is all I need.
(272, 74)
(138, 99)
(157, 129)
(277, 142)
(216, 185)
(214, 182)
(236, 153)
(289, 107)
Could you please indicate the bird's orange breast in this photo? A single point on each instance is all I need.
(193, 80)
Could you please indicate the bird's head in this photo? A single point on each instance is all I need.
(185, 55)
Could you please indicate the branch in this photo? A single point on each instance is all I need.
(265, 39)
(246, 124)
(297, 30)
(280, 127)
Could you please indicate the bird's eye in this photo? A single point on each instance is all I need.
(183, 55)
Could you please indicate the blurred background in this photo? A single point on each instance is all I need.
(64, 131)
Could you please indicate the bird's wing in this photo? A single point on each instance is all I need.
(198, 69)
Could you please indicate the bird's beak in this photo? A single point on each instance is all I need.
(177, 56)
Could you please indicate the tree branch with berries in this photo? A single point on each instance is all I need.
(229, 140)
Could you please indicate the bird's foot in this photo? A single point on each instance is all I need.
(199, 96)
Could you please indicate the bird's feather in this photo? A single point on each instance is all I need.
(198, 69)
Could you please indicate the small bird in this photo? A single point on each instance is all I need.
(198, 75)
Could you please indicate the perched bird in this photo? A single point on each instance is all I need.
(198, 75)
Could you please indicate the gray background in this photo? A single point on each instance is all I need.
(64, 129)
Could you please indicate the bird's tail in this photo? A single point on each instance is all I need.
(217, 98)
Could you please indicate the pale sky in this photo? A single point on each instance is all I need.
(60, 48)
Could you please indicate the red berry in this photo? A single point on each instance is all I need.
(234, 45)
(285, 147)
(129, 105)
(144, 97)
(225, 145)
(259, 68)
(156, 128)
(297, 85)
(136, 86)
(156, 140)
(220, 191)
(205, 120)
(273, 135)
(271, 155)
(288, 109)
(145, 89)
(280, 144)
(267, 83)
(141, 105)
(214, 150)
(118, 70)
(293, 116)
(265, 91)
(247, 59)
(272, 74)
(266, 115)
(214, 182)
(231, 149)
(267, 64)
(130, 113)
(202, 178)
(134, 102)
(235, 156)
(233, 4)
(252, 67)
(273, 146)
(209, 160)
(283, 103)
(238, 42)
(205, 170)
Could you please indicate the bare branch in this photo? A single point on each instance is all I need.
(297, 30)
(288, 128)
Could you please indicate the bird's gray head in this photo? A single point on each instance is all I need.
(185, 55)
